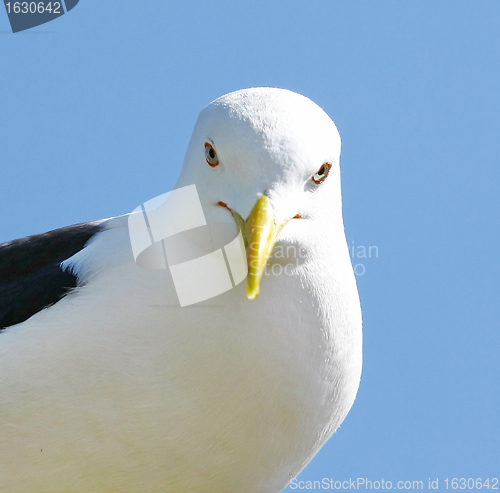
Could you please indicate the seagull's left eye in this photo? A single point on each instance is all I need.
(211, 155)
(322, 173)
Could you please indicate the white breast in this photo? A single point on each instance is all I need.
(117, 389)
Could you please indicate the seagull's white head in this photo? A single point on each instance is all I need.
(265, 156)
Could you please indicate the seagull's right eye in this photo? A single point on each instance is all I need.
(211, 155)
(322, 173)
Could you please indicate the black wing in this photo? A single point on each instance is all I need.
(31, 277)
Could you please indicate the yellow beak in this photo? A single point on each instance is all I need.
(260, 235)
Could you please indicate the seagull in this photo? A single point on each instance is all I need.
(107, 384)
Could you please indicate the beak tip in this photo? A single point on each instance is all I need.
(252, 294)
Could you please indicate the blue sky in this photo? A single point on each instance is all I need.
(96, 110)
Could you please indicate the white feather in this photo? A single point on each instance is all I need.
(116, 389)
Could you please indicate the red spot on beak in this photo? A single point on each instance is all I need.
(223, 204)
(298, 216)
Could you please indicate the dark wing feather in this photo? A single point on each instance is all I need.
(31, 277)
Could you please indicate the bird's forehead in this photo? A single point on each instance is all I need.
(272, 123)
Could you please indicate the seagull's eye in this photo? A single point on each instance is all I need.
(322, 173)
(211, 155)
